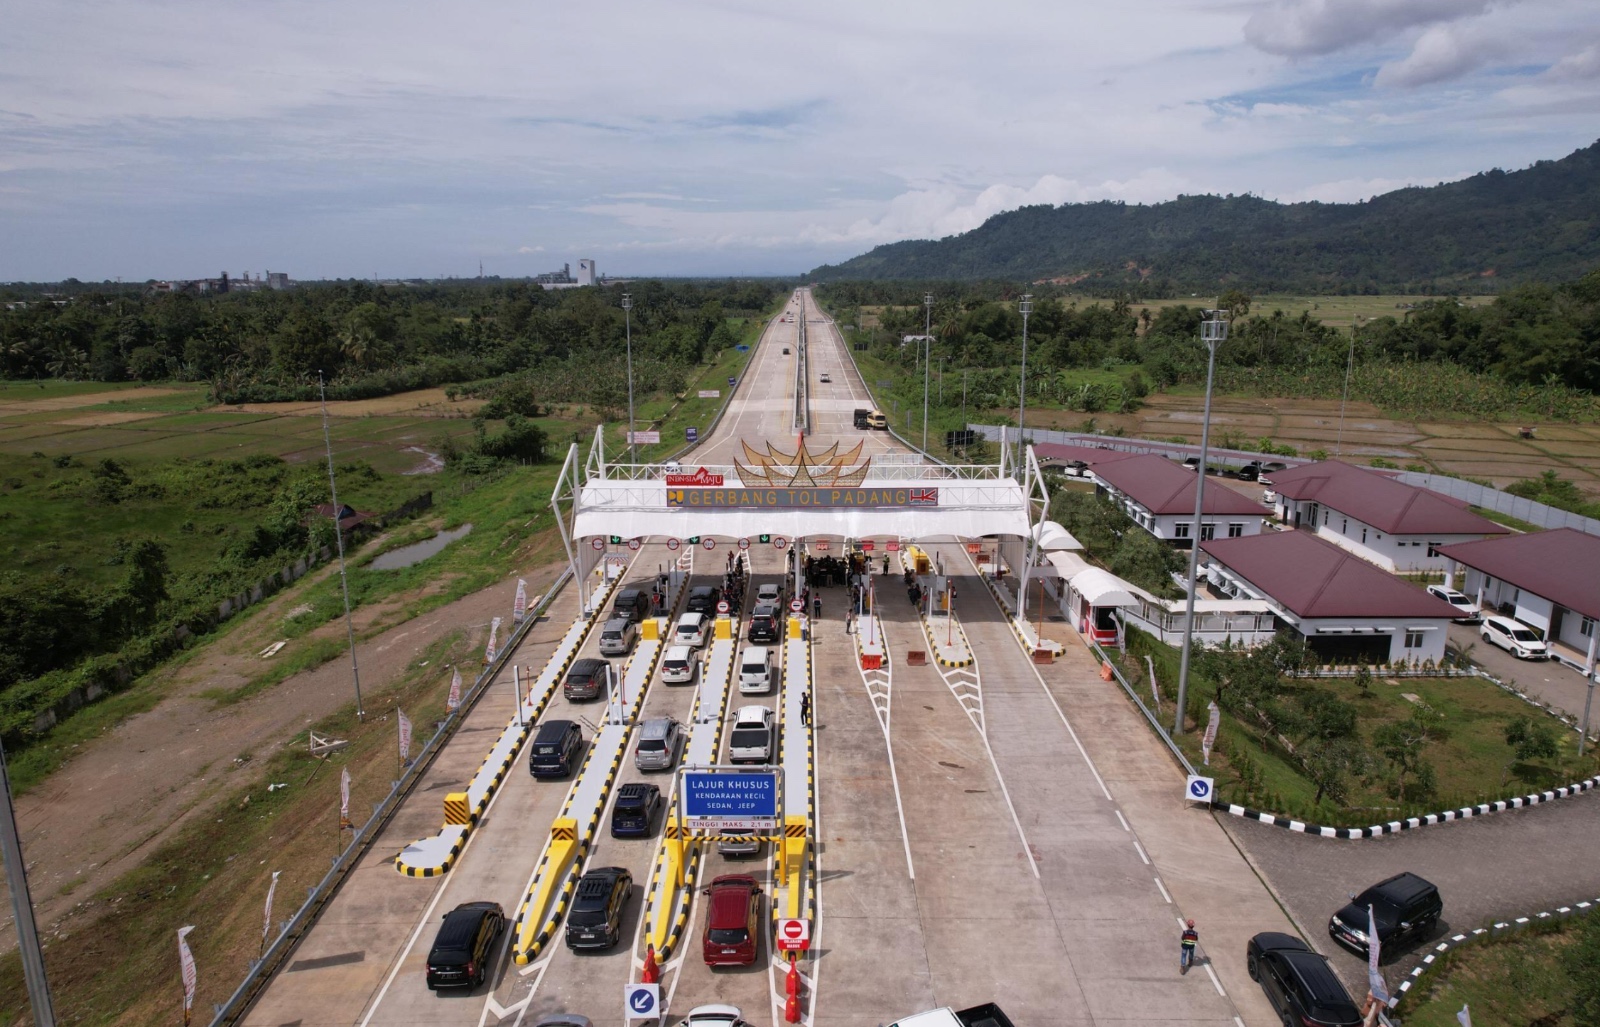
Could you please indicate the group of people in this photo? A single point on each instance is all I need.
(827, 571)
(733, 581)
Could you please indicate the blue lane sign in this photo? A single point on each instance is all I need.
(1199, 789)
(691, 434)
(740, 799)
(644, 1001)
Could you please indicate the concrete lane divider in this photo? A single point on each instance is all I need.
(434, 855)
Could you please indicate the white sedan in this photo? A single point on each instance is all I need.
(691, 630)
(1466, 609)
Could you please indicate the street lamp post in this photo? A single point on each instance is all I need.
(1349, 366)
(1213, 330)
(927, 354)
(1026, 308)
(627, 314)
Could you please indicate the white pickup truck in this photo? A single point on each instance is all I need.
(986, 1015)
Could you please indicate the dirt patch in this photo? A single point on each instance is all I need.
(82, 399)
(422, 402)
(109, 417)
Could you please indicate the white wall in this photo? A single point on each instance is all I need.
(1391, 552)
(1433, 637)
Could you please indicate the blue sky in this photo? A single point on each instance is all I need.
(173, 138)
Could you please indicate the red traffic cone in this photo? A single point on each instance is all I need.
(791, 982)
(652, 973)
(791, 1010)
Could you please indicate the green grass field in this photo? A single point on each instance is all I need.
(1528, 978)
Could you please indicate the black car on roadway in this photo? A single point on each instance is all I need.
(637, 807)
(1404, 907)
(464, 945)
(595, 920)
(1299, 983)
(703, 599)
(557, 749)
(764, 627)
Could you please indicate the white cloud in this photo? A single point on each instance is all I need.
(1300, 28)
(1442, 52)
(1585, 64)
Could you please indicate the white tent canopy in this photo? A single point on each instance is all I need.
(1102, 588)
(1052, 537)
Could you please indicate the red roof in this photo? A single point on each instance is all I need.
(1314, 578)
(1164, 487)
(1562, 566)
(1390, 506)
(1066, 453)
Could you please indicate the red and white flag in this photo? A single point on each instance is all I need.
(191, 976)
(494, 629)
(519, 608)
(405, 736)
(1210, 738)
(1376, 985)
(454, 701)
(266, 920)
(344, 798)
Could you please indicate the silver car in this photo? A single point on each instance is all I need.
(739, 843)
(661, 742)
(617, 636)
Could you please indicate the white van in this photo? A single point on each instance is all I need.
(691, 630)
(757, 675)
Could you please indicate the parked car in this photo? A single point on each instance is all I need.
(617, 636)
(634, 813)
(691, 630)
(752, 740)
(1465, 606)
(1250, 471)
(464, 946)
(1269, 498)
(756, 672)
(564, 1020)
(703, 599)
(679, 665)
(1299, 983)
(714, 1016)
(661, 742)
(1515, 638)
(739, 843)
(733, 921)
(1405, 907)
(769, 594)
(1268, 469)
(587, 678)
(557, 749)
(632, 603)
(595, 920)
(764, 624)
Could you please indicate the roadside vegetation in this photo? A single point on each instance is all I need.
(1547, 976)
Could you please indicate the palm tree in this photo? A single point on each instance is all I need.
(66, 362)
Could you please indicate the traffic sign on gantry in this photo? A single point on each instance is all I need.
(719, 800)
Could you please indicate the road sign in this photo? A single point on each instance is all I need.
(893, 547)
(727, 799)
(643, 1001)
(710, 394)
(779, 542)
(866, 547)
(796, 606)
(691, 434)
(710, 543)
(641, 438)
(764, 539)
(633, 543)
(744, 544)
(597, 544)
(722, 606)
(1199, 789)
(821, 545)
(974, 548)
(673, 544)
(794, 935)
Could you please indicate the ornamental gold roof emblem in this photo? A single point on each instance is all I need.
(802, 468)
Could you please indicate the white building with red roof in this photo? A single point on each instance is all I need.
(1159, 495)
(1384, 521)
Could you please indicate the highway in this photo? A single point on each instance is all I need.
(1014, 878)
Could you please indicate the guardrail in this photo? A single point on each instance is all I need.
(802, 407)
(716, 419)
(262, 969)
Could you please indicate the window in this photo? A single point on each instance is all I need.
(1413, 640)
(1208, 532)
(1363, 536)
(1180, 530)
(1235, 529)
(1586, 627)
(1433, 548)
(1346, 529)
(1325, 515)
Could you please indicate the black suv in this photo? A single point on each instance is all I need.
(595, 921)
(764, 625)
(464, 945)
(1298, 982)
(588, 678)
(557, 749)
(634, 815)
(632, 603)
(1404, 906)
(860, 418)
(703, 599)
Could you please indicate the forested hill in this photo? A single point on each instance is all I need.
(1541, 223)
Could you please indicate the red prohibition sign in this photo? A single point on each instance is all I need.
(779, 541)
(598, 544)
(633, 543)
(709, 543)
(744, 543)
(673, 543)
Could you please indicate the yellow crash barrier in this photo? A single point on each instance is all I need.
(558, 860)
(456, 810)
(794, 628)
(794, 857)
(650, 630)
(724, 627)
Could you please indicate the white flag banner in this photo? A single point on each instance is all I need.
(266, 921)
(1375, 982)
(1155, 689)
(454, 701)
(1464, 1017)
(519, 608)
(1210, 738)
(494, 629)
(191, 976)
(405, 736)
(344, 797)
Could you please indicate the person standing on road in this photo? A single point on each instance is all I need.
(805, 707)
(816, 608)
(886, 563)
(1186, 943)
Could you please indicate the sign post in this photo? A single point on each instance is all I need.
(643, 1001)
(1199, 789)
(719, 798)
(794, 935)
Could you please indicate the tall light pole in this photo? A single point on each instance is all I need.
(1350, 363)
(1026, 308)
(627, 315)
(927, 354)
(22, 909)
(338, 538)
(1213, 330)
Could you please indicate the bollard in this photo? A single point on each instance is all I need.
(651, 973)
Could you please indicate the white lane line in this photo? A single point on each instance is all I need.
(1213, 975)
(1142, 856)
(1006, 792)
(1125, 826)
(1238, 1021)
(1164, 894)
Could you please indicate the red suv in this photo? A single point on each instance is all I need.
(733, 923)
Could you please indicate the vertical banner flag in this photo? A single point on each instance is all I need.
(266, 921)
(454, 701)
(1375, 981)
(1210, 738)
(344, 798)
(405, 737)
(191, 976)
(494, 629)
(519, 608)
(1465, 1016)
(1155, 689)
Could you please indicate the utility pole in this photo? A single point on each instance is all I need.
(22, 907)
(927, 355)
(1350, 363)
(1212, 331)
(338, 537)
(627, 314)
(1026, 307)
